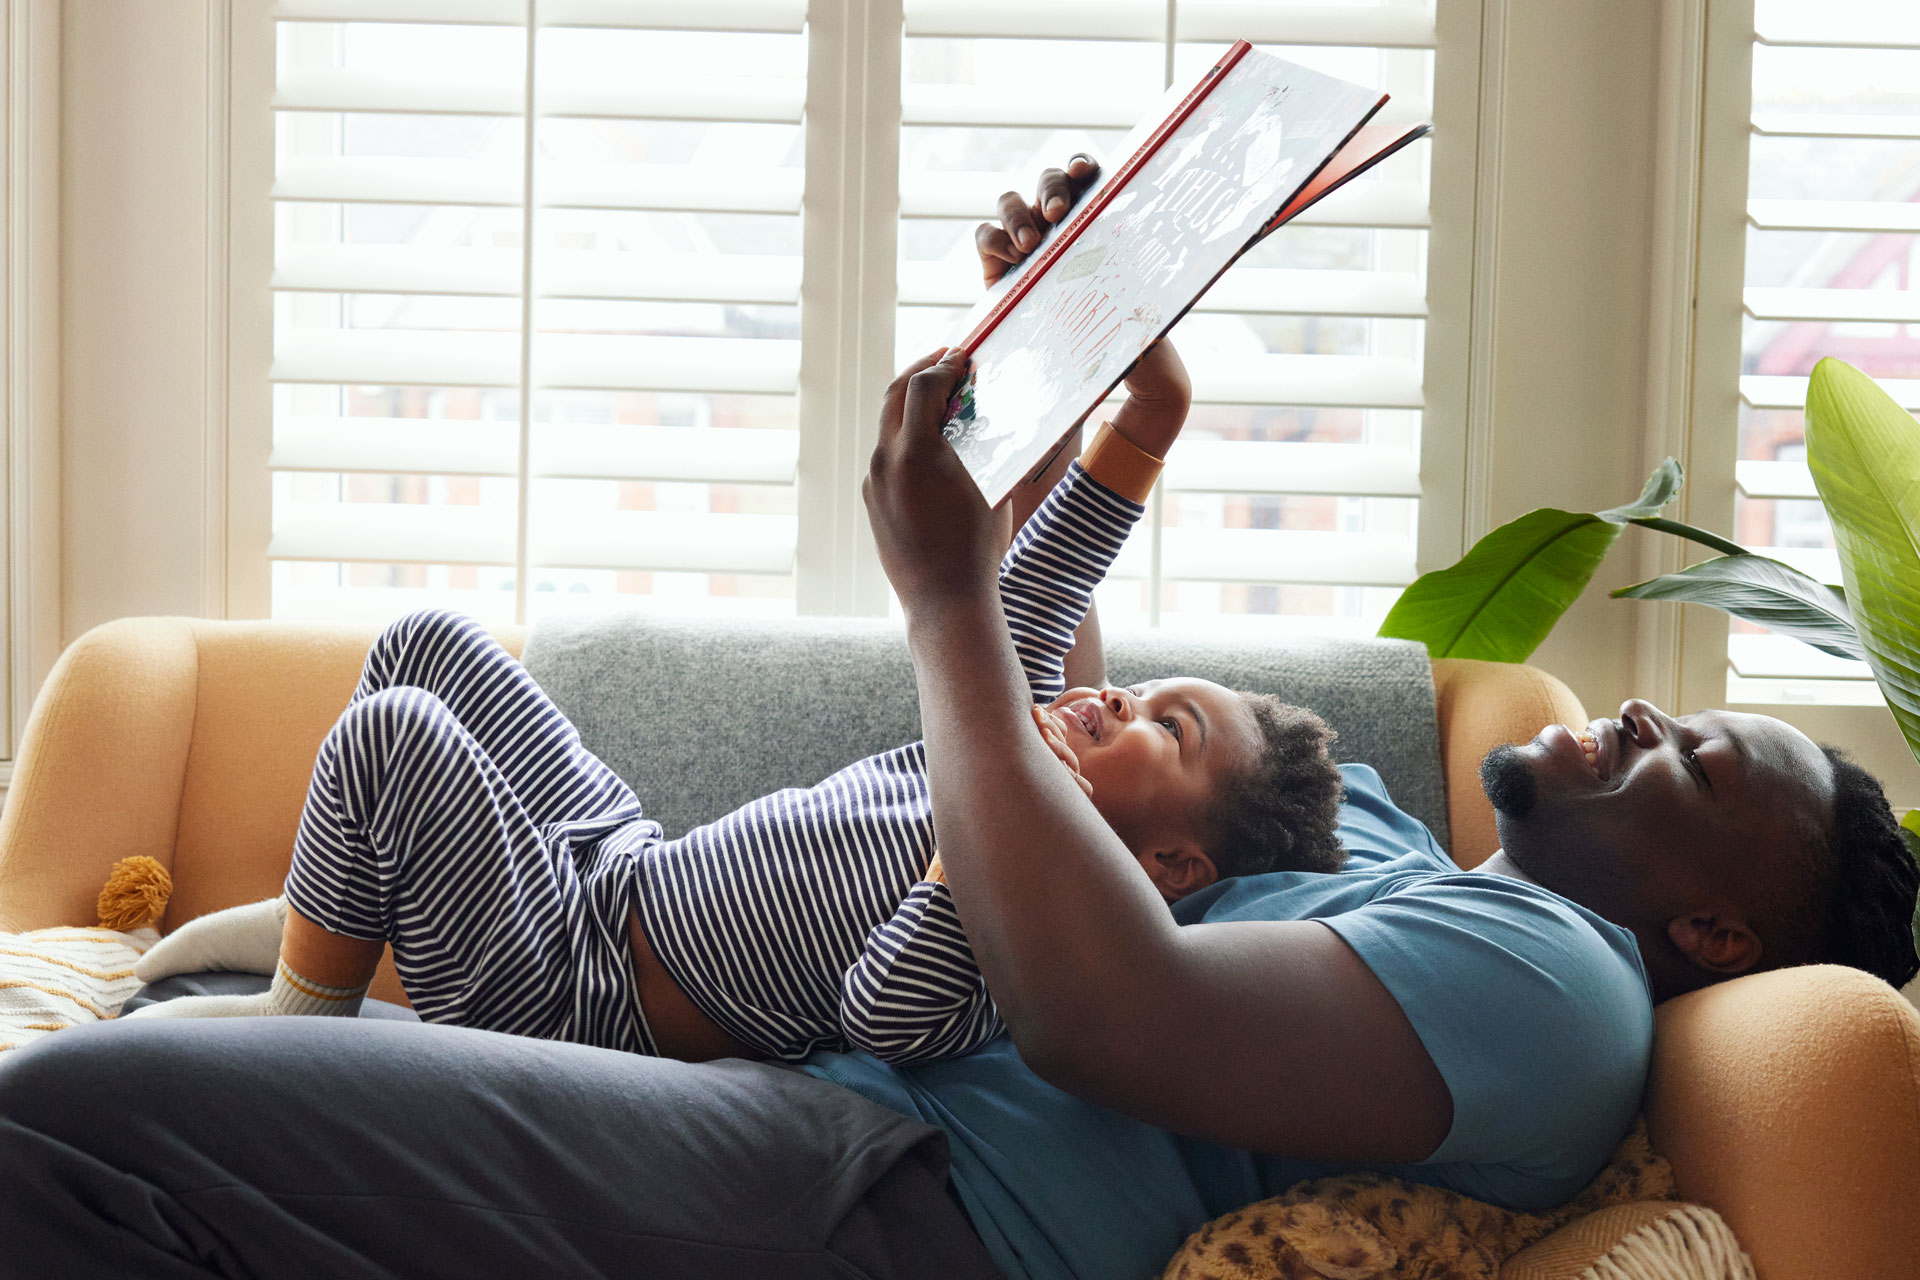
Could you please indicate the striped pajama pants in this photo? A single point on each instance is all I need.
(454, 813)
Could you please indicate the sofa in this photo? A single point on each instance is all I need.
(1789, 1102)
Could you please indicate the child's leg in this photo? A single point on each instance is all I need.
(452, 657)
(411, 834)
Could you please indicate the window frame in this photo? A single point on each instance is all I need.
(847, 308)
(1700, 207)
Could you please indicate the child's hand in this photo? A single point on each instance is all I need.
(1022, 225)
(1158, 396)
(1054, 734)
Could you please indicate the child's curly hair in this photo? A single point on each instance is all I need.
(1282, 814)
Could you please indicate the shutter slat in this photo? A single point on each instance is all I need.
(1210, 21)
(1274, 555)
(1322, 381)
(1369, 203)
(675, 188)
(391, 533)
(397, 358)
(708, 15)
(1242, 290)
(562, 273)
(389, 180)
(1773, 656)
(1055, 20)
(396, 446)
(415, 446)
(761, 278)
(337, 89)
(1365, 203)
(733, 99)
(1819, 563)
(1772, 391)
(1264, 22)
(1772, 692)
(1760, 479)
(599, 362)
(776, 16)
(1244, 466)
(565, 361)
(673, 542)
(1867, 306)
(709, 455)
(1793, 124)
(490, 13)
(1835, 215)
(988, 106)
(1820, 27)
(407, 269)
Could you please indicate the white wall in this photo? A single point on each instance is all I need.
(135, 334)
(1565, 410)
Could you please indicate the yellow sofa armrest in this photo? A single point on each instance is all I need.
(1789, 1102)
(1481, 705)
(99, 770)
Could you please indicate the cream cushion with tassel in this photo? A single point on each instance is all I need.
(55, 978)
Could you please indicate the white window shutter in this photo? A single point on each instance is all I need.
(540, 339)
(1291, 501)
(1833, 213)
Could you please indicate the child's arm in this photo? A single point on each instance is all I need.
(915, 994)
(1058, 557)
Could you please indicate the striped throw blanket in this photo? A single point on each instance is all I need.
(55, 978)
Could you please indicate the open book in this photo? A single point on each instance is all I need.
(1257, 140)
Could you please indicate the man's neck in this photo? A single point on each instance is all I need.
(1501, 865)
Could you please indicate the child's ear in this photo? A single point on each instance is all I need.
(1180, 870)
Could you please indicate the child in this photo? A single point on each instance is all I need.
(454, 813)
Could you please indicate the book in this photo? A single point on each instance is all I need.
(1226, 162)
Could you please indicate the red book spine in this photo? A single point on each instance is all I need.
(1041, 264)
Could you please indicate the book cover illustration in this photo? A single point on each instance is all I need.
(1133, 267)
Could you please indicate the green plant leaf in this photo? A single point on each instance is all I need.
(1660, 489)
(1501, 599)
(1777, 596)
(1864, 452)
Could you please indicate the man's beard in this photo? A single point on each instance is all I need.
(1507, 779)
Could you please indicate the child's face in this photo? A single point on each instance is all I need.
(1157, 755)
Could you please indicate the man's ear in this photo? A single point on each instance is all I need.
(1180, 870)
(1718, 942)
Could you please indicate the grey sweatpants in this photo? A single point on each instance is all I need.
(337, 1148)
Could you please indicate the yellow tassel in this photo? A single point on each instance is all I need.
(136, 894)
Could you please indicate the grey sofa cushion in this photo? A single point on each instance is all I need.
(701, 716)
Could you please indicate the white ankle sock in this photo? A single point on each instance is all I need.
(245, 939)
(290, 994)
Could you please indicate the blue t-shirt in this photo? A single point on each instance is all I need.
(1535, 1010)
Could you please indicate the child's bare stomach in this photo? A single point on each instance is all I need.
(679, 1029)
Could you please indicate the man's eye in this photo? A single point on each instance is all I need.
(1700, 770)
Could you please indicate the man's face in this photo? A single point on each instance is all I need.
(1647, 817)
(1158, 753)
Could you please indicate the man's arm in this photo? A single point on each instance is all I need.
(1273, 1036)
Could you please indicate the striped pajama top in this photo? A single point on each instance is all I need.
(802, 920)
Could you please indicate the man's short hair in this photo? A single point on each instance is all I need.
(1283, 813)
(1872, 880)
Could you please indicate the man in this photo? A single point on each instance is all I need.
(1485, 1030)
